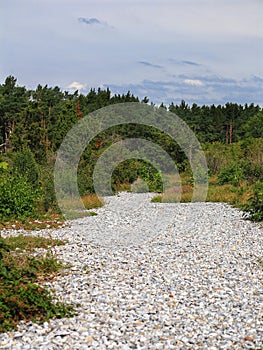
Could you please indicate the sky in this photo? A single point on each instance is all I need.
(200, 51)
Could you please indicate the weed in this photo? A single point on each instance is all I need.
(21, 297)
(255, 203)
(92, 213)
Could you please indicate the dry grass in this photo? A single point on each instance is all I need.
(92, 201)
(229, 194)
(124, 187)
(183, 193)
(52, 221)
(73, 208)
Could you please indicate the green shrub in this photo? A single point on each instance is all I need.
(125, 172)
(3, 165)
(252, 172)
(48, 199)
(231, 174)
(200, 176)
(17, 197)
(255, 206)
(85, 183)
(152, 177)
(25, 165)
(21, 298)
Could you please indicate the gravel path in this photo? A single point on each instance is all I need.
(187, 277)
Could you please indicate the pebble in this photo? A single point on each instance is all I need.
(160, 276)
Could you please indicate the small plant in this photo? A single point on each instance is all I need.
(4, 166)
(21, 297)
(157, 199)
(255, 205)
(92, 213)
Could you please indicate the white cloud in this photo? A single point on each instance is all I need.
(193, 82)
(77, 85)
(214, 90)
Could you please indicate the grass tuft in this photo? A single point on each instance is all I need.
(92, 201)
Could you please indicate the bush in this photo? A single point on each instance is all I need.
(232, 174)
(21, 297)
(17, 197)
(152, 177)
(48, 200)
(25, 165)
(252, 172)
(255, 206)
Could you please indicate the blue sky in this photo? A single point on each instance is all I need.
(202, 51)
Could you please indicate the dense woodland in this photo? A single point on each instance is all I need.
(33, 124)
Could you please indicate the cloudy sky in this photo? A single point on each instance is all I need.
(202, 51)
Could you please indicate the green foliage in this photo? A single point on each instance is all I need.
(252, 162)
(4, 165)
(201, 176)
(17, 197)
(125, 172)
(219, 155)
(4, 247)
(40, 118)
(157, 199)
(92, 213)
(48, 201)
(33, 123)
(25, 242)
(85, 183)
(21, 298)
(25, 165)
(254, 126)
(255, 206)
(252, 172)
(231, 174)
(152, 177)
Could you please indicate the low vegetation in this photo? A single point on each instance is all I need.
(246, 196)
(21, 295)
(254, 207)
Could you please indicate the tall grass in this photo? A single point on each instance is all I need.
(227, 193)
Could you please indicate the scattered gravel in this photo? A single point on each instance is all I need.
(155, 276)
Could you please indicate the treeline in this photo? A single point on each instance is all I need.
(39, 119)
(227, 124)
(33, 124)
